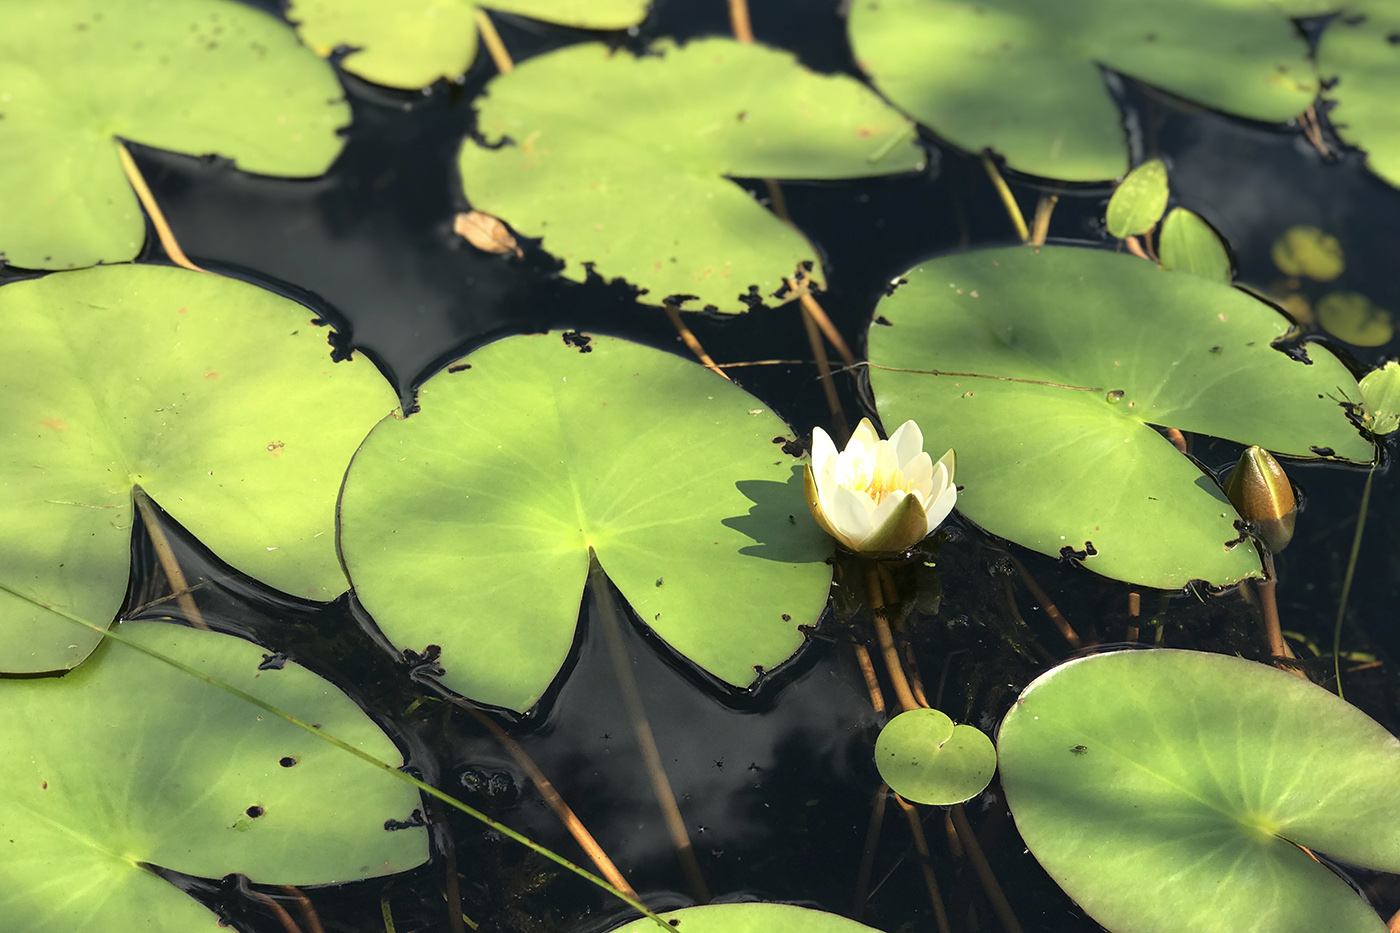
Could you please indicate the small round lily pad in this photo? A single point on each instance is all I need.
(926, 758)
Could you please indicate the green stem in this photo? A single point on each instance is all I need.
(1351, 572)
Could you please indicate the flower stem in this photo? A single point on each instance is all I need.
(916, 826)
(973, 849)
(885, 637)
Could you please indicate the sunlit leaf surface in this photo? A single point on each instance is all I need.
(128, 761)
(1059, 360)
(412, 43)
(750, 918)
(1360, 52)
(218, 398)
(193, 76)
(1023, 77)
(1169, 790)
(624, 163)
(468, 525)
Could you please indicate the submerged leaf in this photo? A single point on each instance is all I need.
(1053, 366)
(191, 76)
(469, 524)
(1310, 252)
(216, 397)
(127, 762)
(1205, 774)
(624, 163)
(1350, 316)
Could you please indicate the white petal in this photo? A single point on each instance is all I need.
(938, 509)
(908, 442)
(886, 462)
(823, 450)
(950, 462)
(918, 475)
(850, 512)
(864, 437)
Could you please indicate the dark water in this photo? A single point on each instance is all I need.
(775, 786)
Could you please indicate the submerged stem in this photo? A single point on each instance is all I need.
(886, 639)
(646, 741)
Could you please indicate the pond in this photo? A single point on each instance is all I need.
(453, 641)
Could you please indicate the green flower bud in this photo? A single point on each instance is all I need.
(1260, 491)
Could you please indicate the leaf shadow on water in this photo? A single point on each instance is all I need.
(779, 522)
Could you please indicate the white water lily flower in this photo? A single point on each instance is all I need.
(879, 496)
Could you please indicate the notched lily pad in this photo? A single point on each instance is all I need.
(190, 76)
(1358, 55)
(128, 762)
(1047, 369)
(624, 163)
(1205, 774)
(469, 524)
(1024, 78)
(926, 758)
(216, 397)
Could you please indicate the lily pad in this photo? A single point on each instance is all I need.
(1053, 365)
(1188, 244)
(190, 76)
(623, 163)
(127, 762)
(1358, 52)
(1380, 397)
(412, 43)
(218, 398)
(926, 758)
(1350, 316)
(1170, 790)
(1023, 77)
(1138, 202)
(469, 524)
(750, 918)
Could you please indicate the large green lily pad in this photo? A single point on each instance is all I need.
(469, 524)
(1023, 77)
(127, 762)
(412, 43)
(218, 398)
(1058, 360)
(750, 918)
(191, 76)
(1169, 790)
(1358, 50)
(621, 162)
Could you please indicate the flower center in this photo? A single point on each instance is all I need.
(866, 477)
